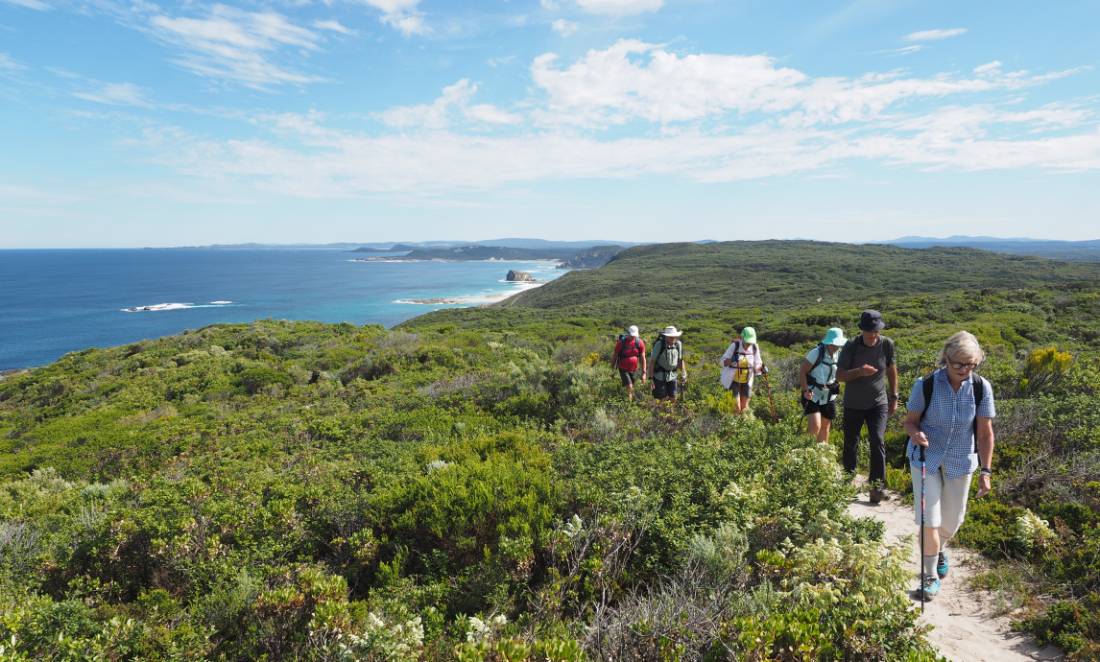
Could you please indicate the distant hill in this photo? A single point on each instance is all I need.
(1088, 251)
(672, 277)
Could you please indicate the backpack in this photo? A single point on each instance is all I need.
(928, 383)
(657, 366)
(742, 373)
(635, 350)
(821, 352)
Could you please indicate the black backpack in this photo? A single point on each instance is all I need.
(820, 359)
(929, 382)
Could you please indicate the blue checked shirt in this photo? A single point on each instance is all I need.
(949, 425)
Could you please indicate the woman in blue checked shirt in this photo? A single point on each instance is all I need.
(946, 427)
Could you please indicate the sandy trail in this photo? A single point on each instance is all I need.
(965, 628)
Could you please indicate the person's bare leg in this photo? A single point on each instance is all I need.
(823, 430)
(813, 425)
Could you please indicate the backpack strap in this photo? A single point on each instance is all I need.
(820, 359)
(978, 384)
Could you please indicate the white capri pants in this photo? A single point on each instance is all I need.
(944, 499)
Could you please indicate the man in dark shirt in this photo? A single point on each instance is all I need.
(866, 365)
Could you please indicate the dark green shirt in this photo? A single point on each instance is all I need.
(866, 392)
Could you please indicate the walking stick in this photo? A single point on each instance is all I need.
(922, 477)
(768, 388)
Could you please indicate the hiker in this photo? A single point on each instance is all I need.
(866, 366)
(950, 426)
(666, 359)
(740, 364)
(629, 349)
(817, 375)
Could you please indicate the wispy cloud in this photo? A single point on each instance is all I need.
(37, 5)
(333, 26)
(703, 117)
(620, 7)
(116, 94)
(934, 35)
(564, 28)
(904, 50)
(402, 15)
(451, 105)
(8, 64)
(235, 45)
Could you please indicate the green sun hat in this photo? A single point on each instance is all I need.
(748, 334)
(834, 337)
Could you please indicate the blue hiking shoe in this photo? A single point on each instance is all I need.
(930, 589)
(942, 565)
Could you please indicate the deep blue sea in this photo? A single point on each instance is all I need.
(56, 301)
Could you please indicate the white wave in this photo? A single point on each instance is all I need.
(161, 307)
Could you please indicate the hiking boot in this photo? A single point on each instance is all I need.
(930, 589)
(878, 494)
(942, 566)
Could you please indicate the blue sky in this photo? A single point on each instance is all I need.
(155, 124)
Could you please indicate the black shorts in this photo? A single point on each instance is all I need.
(827, 410)
(663, 390)
(627, 376)
(744, 390)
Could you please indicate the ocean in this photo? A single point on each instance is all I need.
(57, 301)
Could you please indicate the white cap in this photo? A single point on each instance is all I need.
(632, 330)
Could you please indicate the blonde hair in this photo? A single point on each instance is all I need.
(962, 343)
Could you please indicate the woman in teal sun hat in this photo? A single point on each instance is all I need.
(817, 376)
(740, 363)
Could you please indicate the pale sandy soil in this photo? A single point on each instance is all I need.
(965, 627)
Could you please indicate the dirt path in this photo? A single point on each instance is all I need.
(964, 626)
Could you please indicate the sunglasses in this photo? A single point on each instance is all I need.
(962, 366)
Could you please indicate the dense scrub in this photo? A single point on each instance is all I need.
(474, 486)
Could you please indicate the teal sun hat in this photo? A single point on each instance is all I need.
(748, 334)
(834, 337)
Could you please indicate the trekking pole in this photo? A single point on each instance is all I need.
(922, 477)
(768, 388)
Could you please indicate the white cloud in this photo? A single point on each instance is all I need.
(333, 26)
(711, 118)
(403, 15)
(550, 5)
(490, 114)
(934, 35)
(236, 45)
(904, 50)
(988, 68)
(563, 27)
(632, 79)
(500, 61)
(452, 104)
(116, 94)
(620, 7)
(37, 5)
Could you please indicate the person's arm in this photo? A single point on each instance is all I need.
(844, 370)
(641, 355)
(915, 409)
(615, 356)
(912, 428)
(985, 454)
(803, 377)
(681, 367)
(727, 357)
(892, 378)
(758, 360)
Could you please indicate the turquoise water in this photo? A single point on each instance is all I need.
(57, 301)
